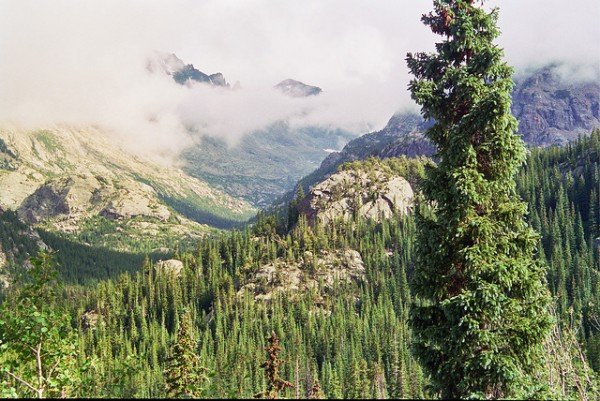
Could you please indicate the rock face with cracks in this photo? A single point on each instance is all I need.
(370, 195)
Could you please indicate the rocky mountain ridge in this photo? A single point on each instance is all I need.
(182, 73)
(550, 110)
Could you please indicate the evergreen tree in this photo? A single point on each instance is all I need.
(275, 384)
(293, 211)
(184, 376)
(481, 314)
(315, 392)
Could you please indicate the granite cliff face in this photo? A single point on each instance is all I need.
(552, 110)
(374, 194)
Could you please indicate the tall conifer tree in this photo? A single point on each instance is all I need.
(185, 376)
(481, 313)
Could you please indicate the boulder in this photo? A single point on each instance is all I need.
(89, 320)
(171, 266)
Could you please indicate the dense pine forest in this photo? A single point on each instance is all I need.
(119, 336)
(561, 185)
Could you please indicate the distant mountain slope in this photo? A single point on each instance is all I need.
(550, 110)
(76, 182)
(265, 163)
(553, 111)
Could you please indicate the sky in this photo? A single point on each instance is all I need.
(82, 63)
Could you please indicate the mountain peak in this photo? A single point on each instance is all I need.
(182, 73)
(295, 88)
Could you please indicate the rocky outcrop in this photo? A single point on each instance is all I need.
(374, 194)
(85, 195)
(293, 88)
(90, 319)
(128, 204)
(3, 258)
(62, 196)
(320, 272)
(170, 266)
(4, 282)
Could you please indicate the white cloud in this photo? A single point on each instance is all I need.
(83, 63)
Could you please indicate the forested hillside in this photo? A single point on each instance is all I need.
(561, 185)
(350, 337)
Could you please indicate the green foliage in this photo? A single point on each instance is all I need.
(47, 138)
(275, 384)
(265, 225)
(293, 211)
(83, 264)
(412, 169)
(39, 355)
(136, 317)
(184, 376)
(125, 235)
(14, 238)
(561, 185)
(480, 315)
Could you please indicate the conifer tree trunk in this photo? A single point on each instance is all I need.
(480, 317)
